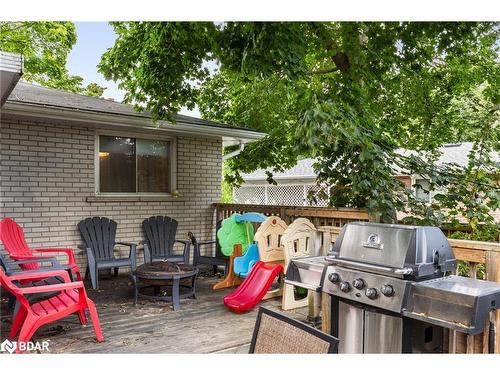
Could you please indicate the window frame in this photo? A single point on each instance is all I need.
(416, 178)
(154, 137)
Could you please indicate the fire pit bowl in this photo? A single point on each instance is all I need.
(158, 277)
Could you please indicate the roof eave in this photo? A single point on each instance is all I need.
(78, 116)
(11, 69)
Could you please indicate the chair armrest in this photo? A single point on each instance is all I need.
(37, 275)
(33, 258)
(68, 252)
(187, 245)
(125, 243)
(203, 243)
(133, 252)
(51, 288)
(53, 261)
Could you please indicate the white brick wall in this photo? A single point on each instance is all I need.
(47, 172)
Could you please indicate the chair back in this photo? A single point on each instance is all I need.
(12, 237)
(159, 234)
(99, 234)
(275, 333)
(218, 251)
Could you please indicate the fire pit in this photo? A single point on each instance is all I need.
(163, 281)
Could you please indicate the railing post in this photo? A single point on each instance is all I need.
(493, 274)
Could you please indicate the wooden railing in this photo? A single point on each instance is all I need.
(319, 216)
(475, 253)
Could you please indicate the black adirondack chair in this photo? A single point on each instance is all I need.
(99, 234)
(159, 240)
(11, 268)
(217, 259)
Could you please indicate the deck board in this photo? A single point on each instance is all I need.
(203, 325)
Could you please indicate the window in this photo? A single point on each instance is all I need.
(134, 165)
(422, 190)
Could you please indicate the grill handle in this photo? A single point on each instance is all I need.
(303, 285)
(371, 267)
(491, 338)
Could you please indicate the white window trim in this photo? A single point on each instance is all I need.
(173, 162)
(414, 179)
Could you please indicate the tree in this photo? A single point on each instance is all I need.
(348, 94)
(45, 47)
(472, 192)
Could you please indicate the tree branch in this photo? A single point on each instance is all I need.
(325, 71)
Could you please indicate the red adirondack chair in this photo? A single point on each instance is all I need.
(71, 299)
(12, 237)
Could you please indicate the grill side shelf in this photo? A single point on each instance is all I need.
(454, 302)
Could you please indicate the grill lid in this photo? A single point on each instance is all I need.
(421, 251)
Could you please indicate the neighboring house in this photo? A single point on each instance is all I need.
(65, 157)
(294, 184)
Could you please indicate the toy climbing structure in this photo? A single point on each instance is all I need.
(300, 239)
(269, 240)
(235, 236)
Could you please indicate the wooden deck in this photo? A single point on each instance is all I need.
(203, 325)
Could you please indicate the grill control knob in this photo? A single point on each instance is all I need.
(358, 283)
(371, 293)
(387, 290)
(345, 286)
(334, 277)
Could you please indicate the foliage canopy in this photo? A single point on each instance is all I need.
(45, 47)
(346, 93)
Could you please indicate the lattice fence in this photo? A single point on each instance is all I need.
(315, 195)
(282, 195)
(285, 195)
(250, 195)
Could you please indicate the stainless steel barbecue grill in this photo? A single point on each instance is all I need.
(389, 290)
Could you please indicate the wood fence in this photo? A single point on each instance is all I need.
(319, 216)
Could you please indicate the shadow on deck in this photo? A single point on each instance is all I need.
(203, 325)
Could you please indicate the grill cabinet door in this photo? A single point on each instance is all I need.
(351, 321)
(383, 333)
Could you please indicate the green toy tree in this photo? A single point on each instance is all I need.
(233, 233)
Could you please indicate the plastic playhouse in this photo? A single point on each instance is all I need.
(236, 236)
(261, 276)
(301, 239)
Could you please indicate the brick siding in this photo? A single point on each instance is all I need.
(47, 173)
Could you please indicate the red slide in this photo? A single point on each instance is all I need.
(254, 288)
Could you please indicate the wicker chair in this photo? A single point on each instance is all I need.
(275, 333)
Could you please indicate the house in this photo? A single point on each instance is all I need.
(294, 184)
(65, 157)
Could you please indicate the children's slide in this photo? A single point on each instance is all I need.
(254, 288)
